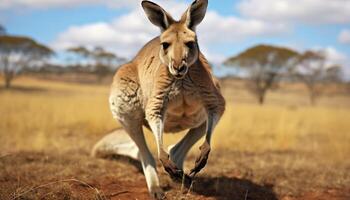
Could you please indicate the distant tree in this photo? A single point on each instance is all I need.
(81, 52)
(103, 57)
(263, 65)
(19, 52)
(104, 60)
(312, 69)
(2, 30)
(96, 55)
(100, 60)
(334, 74)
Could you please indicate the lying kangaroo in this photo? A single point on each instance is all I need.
(168, 87)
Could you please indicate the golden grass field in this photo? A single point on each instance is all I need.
(285, 149)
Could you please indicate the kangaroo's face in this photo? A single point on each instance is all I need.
(179, 49)
(178, 42)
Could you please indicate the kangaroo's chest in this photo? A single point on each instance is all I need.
(184, 109)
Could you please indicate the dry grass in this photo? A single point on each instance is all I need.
(38, 115)
(283, 148)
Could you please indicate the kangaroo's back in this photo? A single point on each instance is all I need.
(150, 49)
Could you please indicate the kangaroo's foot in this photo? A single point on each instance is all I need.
(201, 160)
(157, 193)
(175, 173)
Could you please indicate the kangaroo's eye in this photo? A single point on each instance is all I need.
(190, 45)
(165, 45)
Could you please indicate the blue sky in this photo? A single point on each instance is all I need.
(229, 27)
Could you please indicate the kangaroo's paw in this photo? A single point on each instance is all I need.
(157, 193)
(175, 173)
(201, 160)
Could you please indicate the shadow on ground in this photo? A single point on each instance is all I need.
(227, 188)
(221, 188)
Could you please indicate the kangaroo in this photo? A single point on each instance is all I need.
(168, 87)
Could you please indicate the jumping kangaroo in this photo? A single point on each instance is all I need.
(168, 87)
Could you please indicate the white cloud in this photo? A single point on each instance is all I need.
(217, 28)
(213, 57)
(42, 4)
(344, 36)
(335, 57)
(297, 11)
(126, 34)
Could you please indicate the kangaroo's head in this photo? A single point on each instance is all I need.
(178, 41)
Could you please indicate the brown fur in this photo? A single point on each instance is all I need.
(147, 82)
(168, 87)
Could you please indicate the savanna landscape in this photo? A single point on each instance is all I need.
(276, 74)
(285, 149)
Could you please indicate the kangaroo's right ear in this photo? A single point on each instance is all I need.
(195, 13)
(157, 15)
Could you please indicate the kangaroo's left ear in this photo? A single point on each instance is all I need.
(157, 15)
(195, 14)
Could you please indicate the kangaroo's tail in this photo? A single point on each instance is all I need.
(114, 144)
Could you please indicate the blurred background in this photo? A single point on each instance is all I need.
(284, 69)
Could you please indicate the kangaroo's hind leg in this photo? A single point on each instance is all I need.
(134, 129)
(127, 109)
(179, 151)
(132, 124)
(202, 159)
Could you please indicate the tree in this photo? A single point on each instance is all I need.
(2, 30)
(81, 52)
(334, 74)
(104, 60)
(312, 69)
(101, 60)
(263, 64)
(103, 57)
(19, 52)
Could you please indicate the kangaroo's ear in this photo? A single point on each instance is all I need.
(157, 15)
(195, 13)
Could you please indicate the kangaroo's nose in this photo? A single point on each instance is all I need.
(182, 69)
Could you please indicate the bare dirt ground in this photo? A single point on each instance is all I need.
(75, 175)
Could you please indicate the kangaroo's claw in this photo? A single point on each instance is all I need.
(175, 173)
(201, 160)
